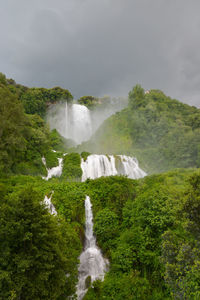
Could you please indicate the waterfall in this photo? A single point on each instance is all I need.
(76, 122)
(106, 165)
(98, 165)
(55, 171)
(92, 264)
(130, 167)
(73, 121)
(49, 205)
(80, 125)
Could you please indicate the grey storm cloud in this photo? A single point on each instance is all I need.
(103, 47)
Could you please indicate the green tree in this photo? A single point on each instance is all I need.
(12, 122)
(34, 259)
(88, 101)
(72, 167)
(36, 100)
(106, 227)
(136, 96)
(2, 79)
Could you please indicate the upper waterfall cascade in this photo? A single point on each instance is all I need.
(92, 264)
(73, 121)
(77, 122)
(106, 165)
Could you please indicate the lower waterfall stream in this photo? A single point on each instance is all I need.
(92, 264)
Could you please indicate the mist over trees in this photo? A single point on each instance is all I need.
(161, 132)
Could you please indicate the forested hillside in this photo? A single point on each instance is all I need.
(161, 132)
(149, 231)
(147, 228)
(24, 135)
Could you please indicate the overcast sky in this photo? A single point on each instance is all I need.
(101, 47)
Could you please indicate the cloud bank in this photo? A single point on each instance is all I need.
(103, 47)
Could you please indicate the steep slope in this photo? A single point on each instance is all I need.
(161, 132)
(24, 138)
(147, 228)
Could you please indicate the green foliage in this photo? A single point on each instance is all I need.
(12, 122)
(24, 139)
(34, 250)
(2, 79)
(88, 101)
(69, 201)
(52, 159)
(36, 100)
(181, 248)
(85, 155)
(161, 132)
(146, 261)
(105, 102)
(106, 226)
(36, 136)
(127, 286)
(136, 97)
(111, 192)
(34, 167)
(72, 167)
(149, 229)
(35, 265)
(58, 142)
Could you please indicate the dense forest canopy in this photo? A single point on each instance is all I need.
(147, 228)
(24, 135)
(35, 100)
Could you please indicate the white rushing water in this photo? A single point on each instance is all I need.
(101, 165)
(73, 121)
(77, 122)
(92, 263)
(55, 171)
(49, 205)
(106, 165)
(98, 165)
(130, 167)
